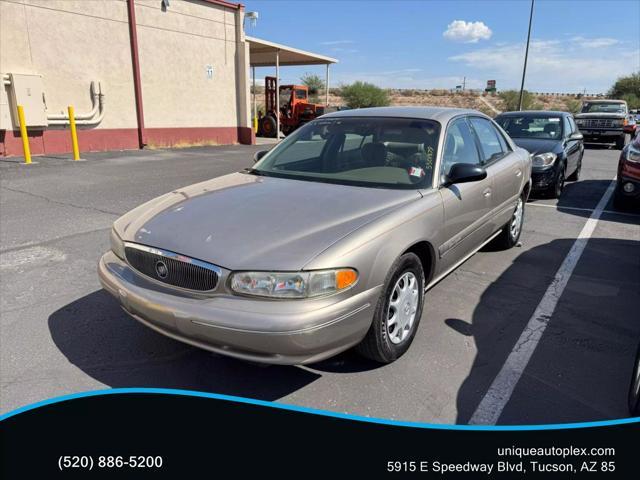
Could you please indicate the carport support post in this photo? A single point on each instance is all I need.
(277, 105)
(326, 87)
(255, 104)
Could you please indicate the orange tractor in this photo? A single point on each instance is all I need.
(294, 109)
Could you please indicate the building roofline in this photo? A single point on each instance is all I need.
(224, 3)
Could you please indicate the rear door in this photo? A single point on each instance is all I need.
(467, 206)
(503, 165)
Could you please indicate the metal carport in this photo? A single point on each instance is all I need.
(263, 53)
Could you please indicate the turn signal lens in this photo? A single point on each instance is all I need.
(345, 278)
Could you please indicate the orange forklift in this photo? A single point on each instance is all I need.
(295, 109)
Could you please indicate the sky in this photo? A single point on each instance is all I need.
(576, 45)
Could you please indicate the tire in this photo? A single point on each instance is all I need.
(510, 234)
(634, 388)
(620, 202)
(575, 176)
(558, 186)
(385, 342)
(621, 142)
(268, 126)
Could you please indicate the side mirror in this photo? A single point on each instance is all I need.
(576, 136)
(465, 172)
(258, 155)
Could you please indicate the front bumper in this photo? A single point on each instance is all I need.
(268, 331)
(594, 135)
(543, 178)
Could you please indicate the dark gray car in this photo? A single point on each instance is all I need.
(328, 242)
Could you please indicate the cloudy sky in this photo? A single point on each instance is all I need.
(575, 45)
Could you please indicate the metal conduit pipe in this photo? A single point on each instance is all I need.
(6, 79)
(95, 101)
(100, 104)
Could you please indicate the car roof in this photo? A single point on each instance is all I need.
(610, 100)
(537, 113)
(440, 114)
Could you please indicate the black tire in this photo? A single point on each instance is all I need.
(268, 126)
(634, 388)
(621, 142)
(377, 344)
(620, 202)
(575, 176)
(558, 186)
(506, 239)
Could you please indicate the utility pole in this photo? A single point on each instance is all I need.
(526, 55)
(464, 82)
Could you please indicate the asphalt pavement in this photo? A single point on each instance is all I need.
(60, 333)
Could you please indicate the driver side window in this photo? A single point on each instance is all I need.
(459, 146)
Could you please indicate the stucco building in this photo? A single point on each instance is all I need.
(138, 73)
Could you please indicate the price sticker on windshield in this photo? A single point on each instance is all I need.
(416, 172)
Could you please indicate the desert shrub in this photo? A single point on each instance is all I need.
(511, 98)
(362, 95)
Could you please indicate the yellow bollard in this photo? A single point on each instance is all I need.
(23, 134)
(74, 133)
(255, 124)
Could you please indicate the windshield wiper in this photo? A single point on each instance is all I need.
(254, 171)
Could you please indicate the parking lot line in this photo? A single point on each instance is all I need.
(580, 209)
(490, 408)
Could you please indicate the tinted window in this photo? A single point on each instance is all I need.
(301, 94)
(527, 126)
(567, 127)
(381, 152)
(459, 146)
(572, 122)
(488, 136)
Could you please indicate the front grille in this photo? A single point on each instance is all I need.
(172, 269)
(597, 123)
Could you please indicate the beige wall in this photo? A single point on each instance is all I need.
(72, 42)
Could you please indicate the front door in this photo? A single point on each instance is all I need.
(467, 206)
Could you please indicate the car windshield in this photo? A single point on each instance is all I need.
(371, 152)
(526, 126)
(603, 107)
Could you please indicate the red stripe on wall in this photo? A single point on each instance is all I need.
(50, 142)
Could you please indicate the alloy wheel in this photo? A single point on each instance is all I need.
(516, 220)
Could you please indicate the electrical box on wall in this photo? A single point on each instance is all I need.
(28, 91)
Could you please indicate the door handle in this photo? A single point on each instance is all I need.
(487, 192)
(518, 173)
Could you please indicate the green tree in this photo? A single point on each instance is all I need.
(362, 95)
(629, 85)
(512, 97)
(313, 82)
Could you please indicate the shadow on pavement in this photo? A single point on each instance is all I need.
(581, 368)
(99, 338)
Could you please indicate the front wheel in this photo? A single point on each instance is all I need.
(558, 186)
(510, 233)
(397, 313)
(634, 389)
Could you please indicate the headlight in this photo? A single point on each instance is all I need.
(617, 123)
(544, 159)
(117, 245)
(579, 121)
(293, 284)
(633, 154)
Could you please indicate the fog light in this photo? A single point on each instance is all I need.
(628, 187)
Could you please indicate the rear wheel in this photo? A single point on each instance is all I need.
(397, 313)
(575, 176)
(510, 233)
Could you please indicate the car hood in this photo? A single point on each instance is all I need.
(242, 221)
(538, 145)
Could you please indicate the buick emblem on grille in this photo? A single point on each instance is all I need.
(161, 269)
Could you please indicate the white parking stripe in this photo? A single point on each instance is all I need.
(580, 209)
(494, 401)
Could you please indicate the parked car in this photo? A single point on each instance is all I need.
(555, 143)
(634, 388)
(329, 241)
(628, 179)
(604, 121)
